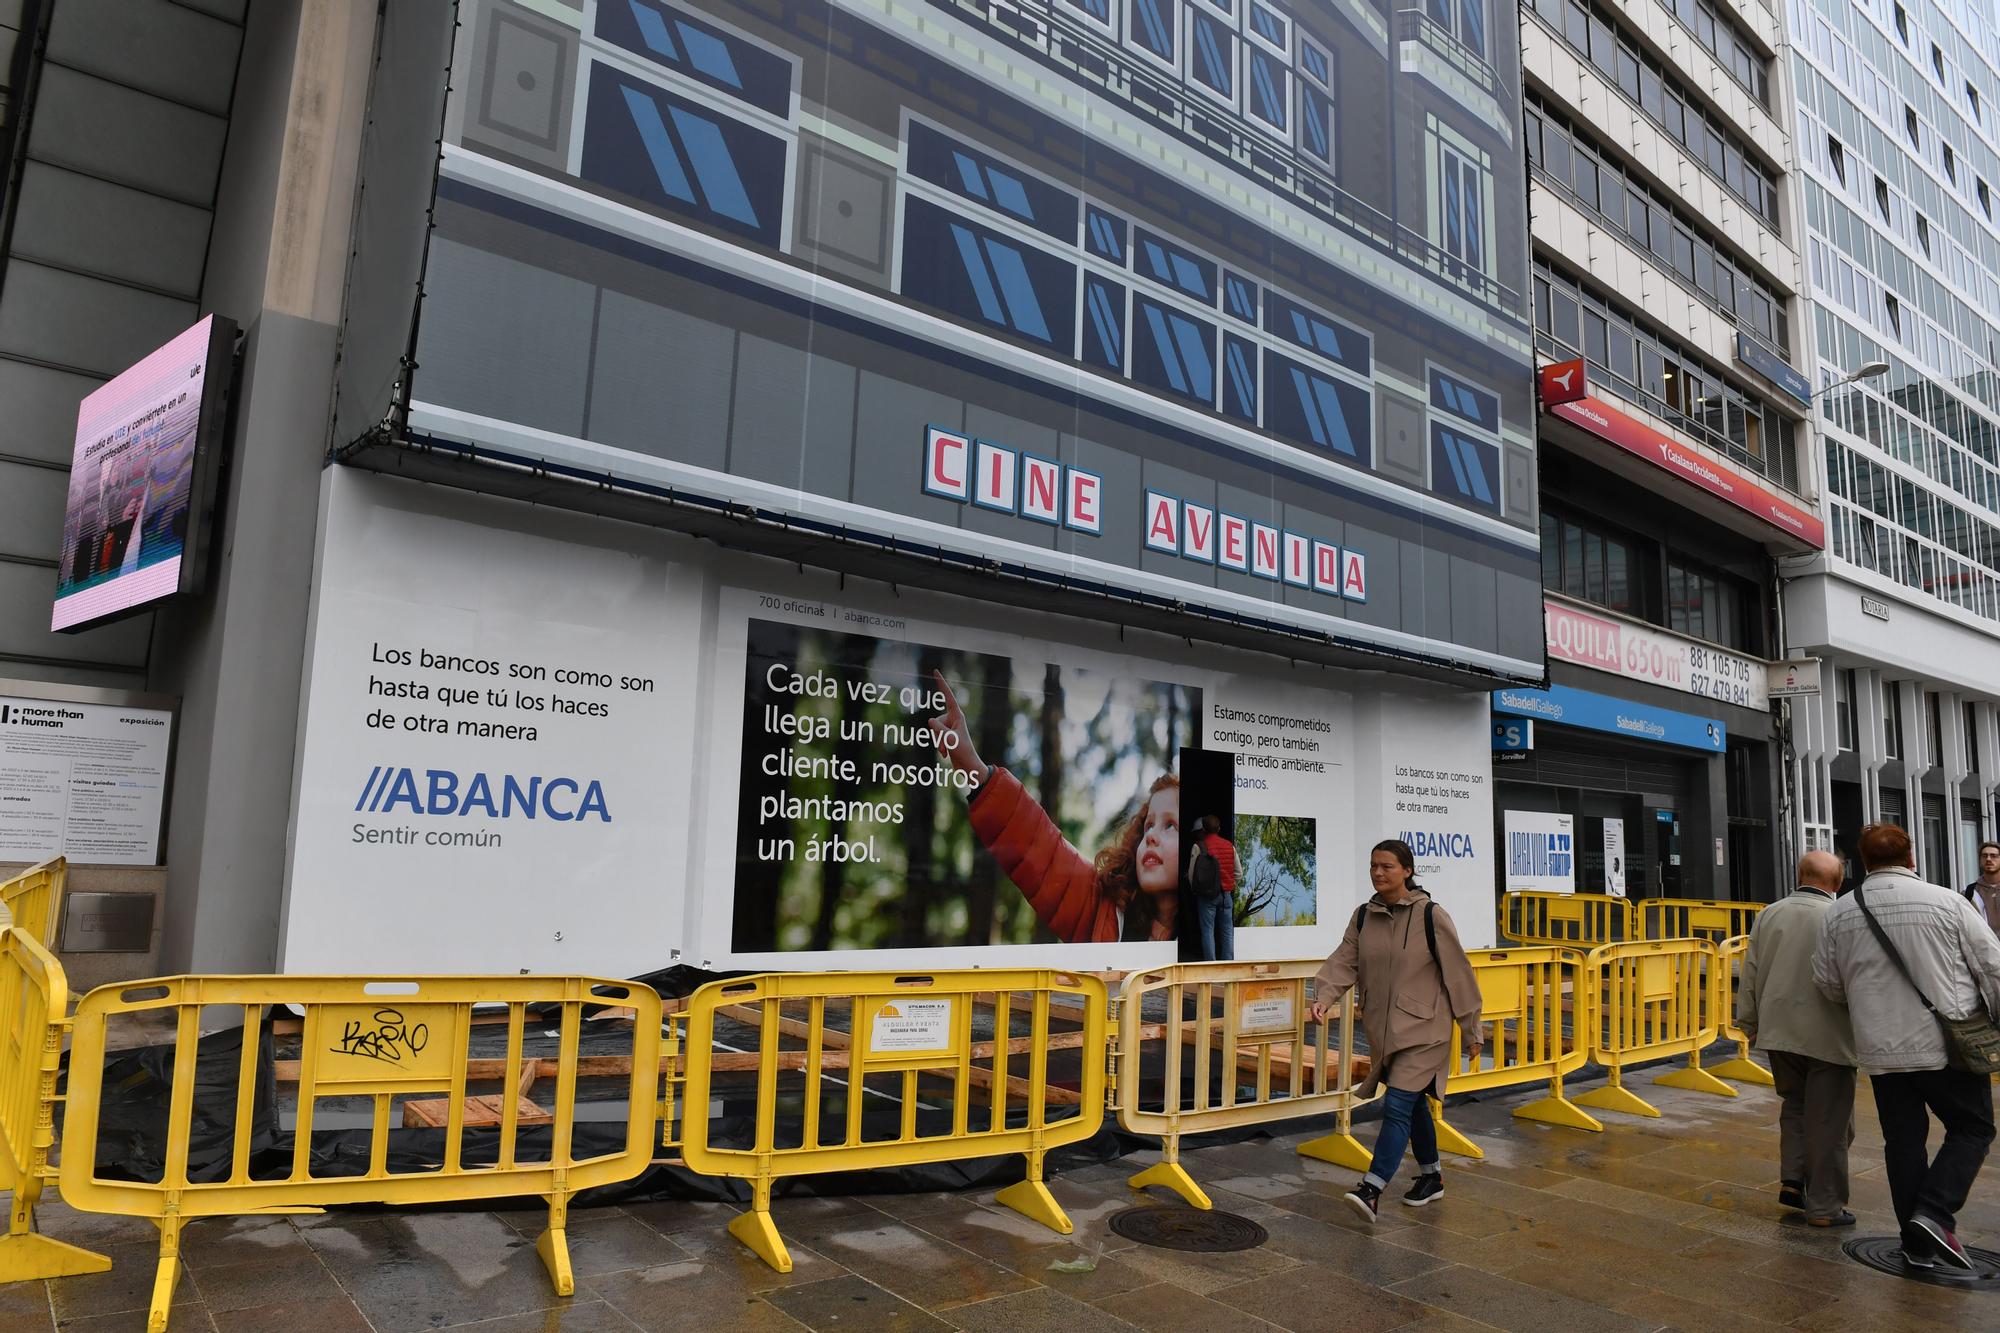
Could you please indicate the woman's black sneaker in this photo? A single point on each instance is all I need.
(1363, 1199)
(1430, 1185)
(1791, 1194)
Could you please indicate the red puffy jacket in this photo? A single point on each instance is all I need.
(1059, 882)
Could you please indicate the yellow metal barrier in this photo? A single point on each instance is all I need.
(1205, 1046)
(1652, 998)
(34, 995)
(1695, 918)
(1728, 975)
(32, 900)
(1577, 920)
(375, 1041)
(1537, 1017)
(892, 1036)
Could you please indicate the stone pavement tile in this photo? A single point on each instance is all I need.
(289, 1274)
(1508, 1159)
(1889, 1315)
(215, 1242)
(1443, 1321)
(25, 1305)
(601, 1240)
(320, 1315)
(685, 1295)
(670, 1217)
(1350, 1254)
(1028, 1248)
(1461, 1215)
(1037, 1311)
(1305, 1301)
(918, 1267)
(1580, 1281)
(579, 1316)
(93, 1231)
(1490, 1254)
(1327, 1206)
(1166, 1308)
(1659, 1308)
(1202, 1273)
(128, 1286)
(851, 1302)
(416, 1270)
(1771, 1232)
(1711, 1161)
(191, 1317)
(1513, 1305)
(722, 1251)
(1640, 1203)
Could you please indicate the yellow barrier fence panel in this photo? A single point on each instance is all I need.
(34, 995)
(368, 1046)
(838, 1065)
(1652, 998)
(32, 900)
(1714, 920)
(1577, 920)
(1537, 1019)
(1728, 976)
(1207, 1046)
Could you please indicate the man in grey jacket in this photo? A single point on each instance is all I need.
(1809, 1041)
(1954, 960)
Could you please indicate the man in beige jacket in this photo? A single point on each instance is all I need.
(1810, 1042)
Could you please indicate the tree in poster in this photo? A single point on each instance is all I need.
(1277, 859)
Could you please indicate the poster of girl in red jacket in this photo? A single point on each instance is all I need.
(902, 794)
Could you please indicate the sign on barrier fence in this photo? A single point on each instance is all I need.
(32, 900)
(893, 1043)
(34, 995)
(377, 1041)
(1578, 920)
(1206, 1046)
(1695, 918)
(1728, 977)
(1652, 998)
(1537, 1016)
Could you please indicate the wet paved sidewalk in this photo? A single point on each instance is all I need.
(1654, 1224)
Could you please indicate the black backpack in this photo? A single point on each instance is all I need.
(1205, 875)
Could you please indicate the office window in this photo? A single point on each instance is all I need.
(682, 157)
(1212, 54)
(1104, 324)
(1934, 727)
(708, 55)
(1316, 128)
(1318, 333)
(1937, 61)
(985, 180)
(1270, 88)
(1173, 352)
(1843, 707)
(1157, 258)
(1704, 604)
(1971, 751)
(959, 266)
(1910, 127)
(1892, 720)
(1239, 377)
(1583, 560)
(1462, 198)
(1903, 25)
(1972, 98)
(1463, 19)
(1309, 407)
(1153, 26)
(1838, 158)
(1950, 165)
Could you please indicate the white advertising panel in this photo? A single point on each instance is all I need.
(496, 749)
(1604, 642)
(1614, 857)
(1541, 852)
(86, 781)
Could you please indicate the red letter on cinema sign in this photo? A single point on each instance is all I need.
(946, 471)
(1235, 537)
(1041, 488)
(1326, 568)
(1084, 514)
(1354, 576)
(1163, 532)
(1264, 551)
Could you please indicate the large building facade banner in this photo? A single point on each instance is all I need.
(1215, 303)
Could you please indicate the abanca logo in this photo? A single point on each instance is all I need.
(443, 791)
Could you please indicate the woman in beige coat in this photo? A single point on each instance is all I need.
(1412, 978)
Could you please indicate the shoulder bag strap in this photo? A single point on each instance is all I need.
(1431, 934)
(1882, 938)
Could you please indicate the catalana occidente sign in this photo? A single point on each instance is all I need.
(1570, 707)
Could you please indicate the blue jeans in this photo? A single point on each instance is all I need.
(1215, 926)
(1406, 1123)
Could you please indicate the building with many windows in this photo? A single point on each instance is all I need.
(1667, 262)
(1899, 158)
(712, 481)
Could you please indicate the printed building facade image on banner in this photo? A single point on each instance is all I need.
(1217, 309)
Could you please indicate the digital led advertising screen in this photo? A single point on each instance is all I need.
(142, 480)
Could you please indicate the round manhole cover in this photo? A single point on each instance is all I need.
(1204, 1232)
(1884, 1254)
